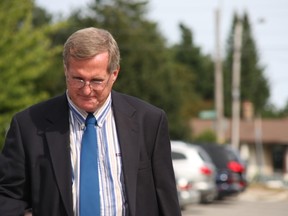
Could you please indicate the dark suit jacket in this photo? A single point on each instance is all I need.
(35, 165)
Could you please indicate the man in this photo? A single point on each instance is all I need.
(41, 165)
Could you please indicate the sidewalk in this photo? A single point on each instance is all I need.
(264, 193)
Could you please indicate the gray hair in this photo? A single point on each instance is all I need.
(89, 42)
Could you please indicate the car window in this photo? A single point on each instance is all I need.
(204, 156)
(218, 155)
(178, 156)
(235, 155)
(231, 155)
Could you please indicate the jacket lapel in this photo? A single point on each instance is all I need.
(57, 135)
(127, 130)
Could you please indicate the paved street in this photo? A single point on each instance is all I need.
(253, 202)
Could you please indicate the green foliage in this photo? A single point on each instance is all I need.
(270, 111)
(200, 65)
(254, 85)
(25, 56)
(207, 136)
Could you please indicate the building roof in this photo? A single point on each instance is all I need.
(271, 130)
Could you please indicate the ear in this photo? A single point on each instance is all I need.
(115, 74)
(65, 70)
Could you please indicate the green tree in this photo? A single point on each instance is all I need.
(25, 56)
(271, 111)
(40, 17)
(200, 65)
(53, 82)
(254, 85)
(200, 68)
(284, 110)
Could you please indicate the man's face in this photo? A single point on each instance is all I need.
(88, 81)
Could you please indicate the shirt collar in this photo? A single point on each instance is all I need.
(100, 114)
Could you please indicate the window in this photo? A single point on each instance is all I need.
(178, 156)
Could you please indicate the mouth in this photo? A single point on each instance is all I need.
(86, 97)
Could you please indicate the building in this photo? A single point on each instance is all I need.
(263, 144)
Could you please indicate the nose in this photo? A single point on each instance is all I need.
(87, 90)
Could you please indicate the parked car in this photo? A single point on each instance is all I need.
(230, 177)
(187, 193)
(238, 165)
(193, 163)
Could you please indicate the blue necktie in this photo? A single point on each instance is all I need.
(89, 180)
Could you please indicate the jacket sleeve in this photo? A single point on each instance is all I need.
(163, 172)
(13, 188)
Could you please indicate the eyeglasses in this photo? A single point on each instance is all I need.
(93, 84)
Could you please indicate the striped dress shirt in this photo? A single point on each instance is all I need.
(111, 183)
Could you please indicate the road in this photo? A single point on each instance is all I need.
(252, 202)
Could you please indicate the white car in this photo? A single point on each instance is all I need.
(191, 162)
(187, 193)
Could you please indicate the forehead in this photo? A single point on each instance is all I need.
(94, 64)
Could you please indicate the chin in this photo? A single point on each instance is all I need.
(88, 107)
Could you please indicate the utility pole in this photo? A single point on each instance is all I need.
(236, 84)
(218, 83)
(259, 147)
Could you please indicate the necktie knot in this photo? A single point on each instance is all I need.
(90, 119)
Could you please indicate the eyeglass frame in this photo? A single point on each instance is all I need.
(82, 83)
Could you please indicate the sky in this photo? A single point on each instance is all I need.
(268, 20)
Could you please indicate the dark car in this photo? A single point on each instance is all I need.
(230, 170)
(237, 165)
